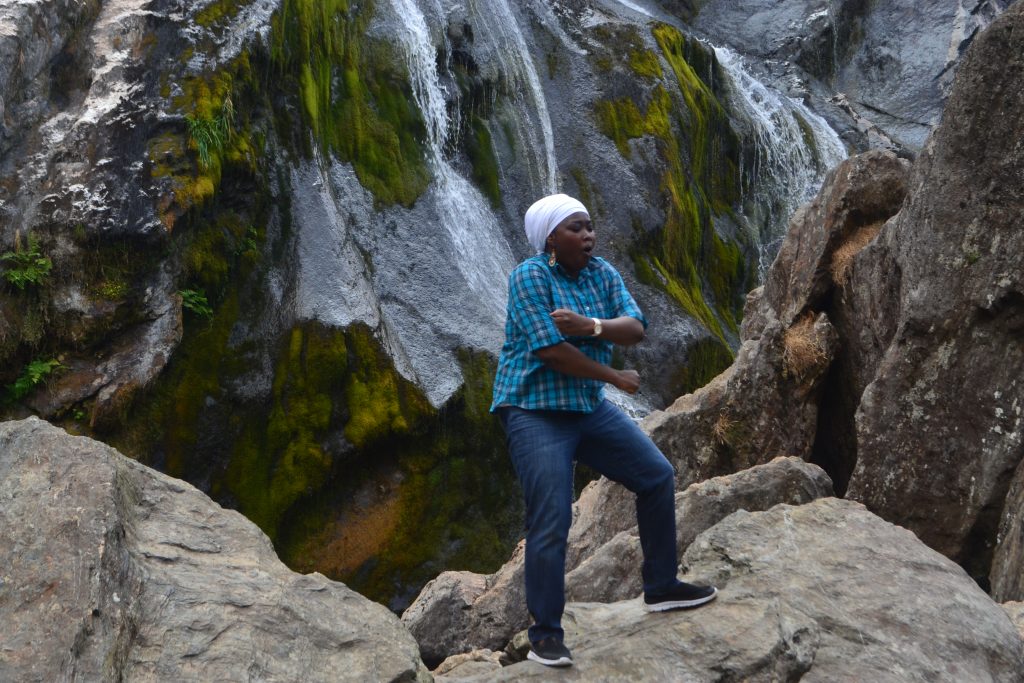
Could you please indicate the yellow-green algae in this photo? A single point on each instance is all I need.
(700, 180)
(456, 505)
(355, 95)
(325, 379)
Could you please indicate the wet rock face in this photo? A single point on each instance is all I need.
(113, 571)
(892, 62)
(939, 428)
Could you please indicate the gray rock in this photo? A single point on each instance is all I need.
(477, 662)
(1007, 574)
(613, 572)
(763, 406)
(939, 428)
(1016, 612)
(452, 615)
(820, 592)
(115, 572)
(442, 616)
(864, 190)
(887, 64)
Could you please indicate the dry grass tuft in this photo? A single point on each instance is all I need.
(720, 431)
(802, 350)
(842, 257)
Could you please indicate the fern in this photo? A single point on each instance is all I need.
(29, 266)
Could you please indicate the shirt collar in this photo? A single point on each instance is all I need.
(581, 277)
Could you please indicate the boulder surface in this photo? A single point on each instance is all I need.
(112, 571)
(825, 591)
(460, 611)
(939, 428)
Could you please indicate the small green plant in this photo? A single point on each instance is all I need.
(248, 243)
(195, 301)
(113, 290)
(28, 266)
(32, 376)
(211, 133)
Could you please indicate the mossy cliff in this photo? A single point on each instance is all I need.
(686, 257)
(339, 459)
(309, 428)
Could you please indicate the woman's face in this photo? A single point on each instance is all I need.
(573, 241)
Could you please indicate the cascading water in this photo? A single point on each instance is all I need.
(483, 255)
(794, 148)
(517, 65)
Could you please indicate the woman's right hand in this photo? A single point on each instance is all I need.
(628, 381)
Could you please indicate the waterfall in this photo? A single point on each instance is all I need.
(481, 253)
(518, 67)
(634, 7)
(794, 148)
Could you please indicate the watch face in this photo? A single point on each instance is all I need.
(597, 327)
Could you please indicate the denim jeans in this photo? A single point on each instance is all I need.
(543, 445)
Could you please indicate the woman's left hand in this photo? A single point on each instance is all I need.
(572, 324)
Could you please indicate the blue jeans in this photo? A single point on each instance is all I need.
(543, 445)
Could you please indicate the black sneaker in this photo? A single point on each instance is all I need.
(550, 652)
(680, 596)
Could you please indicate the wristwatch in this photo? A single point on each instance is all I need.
(597, 327)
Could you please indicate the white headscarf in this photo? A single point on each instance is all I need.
(545, 215)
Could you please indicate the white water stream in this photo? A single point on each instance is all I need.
(789, 166)
(517, 66)
(482, 254)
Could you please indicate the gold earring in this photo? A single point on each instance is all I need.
(551, 258)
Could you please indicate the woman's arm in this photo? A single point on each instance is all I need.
(624, 330)
(567, 359)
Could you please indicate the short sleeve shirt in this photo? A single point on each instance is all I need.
(535, 289)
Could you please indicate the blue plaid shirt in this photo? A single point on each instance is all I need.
(535, 289)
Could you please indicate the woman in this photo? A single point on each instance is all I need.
(566, 308)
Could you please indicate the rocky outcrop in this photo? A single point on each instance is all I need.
(856, 198)
(1016, 612)
(764, 405)
(889, 64)
(113, 571)
(1007, 574)
(459, 611)
(939, 427)
(825, 591)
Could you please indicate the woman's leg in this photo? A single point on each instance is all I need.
(616, 447)
(541, 445)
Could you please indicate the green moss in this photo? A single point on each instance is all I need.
(705, 360)
(356, 99)
(380, 403)
(217, 12)
(585, 191)
(459, 493)
(645, 63)
(480, 150)
(685, 258)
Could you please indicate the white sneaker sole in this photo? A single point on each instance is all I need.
(561, 661)
(680, 604)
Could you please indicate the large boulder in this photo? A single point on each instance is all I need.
(763, 406)
(858, 196)
(825, 591)
(612, 572)
(1007, 573)
(939, 428)
(113, 571)
(452, 615)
